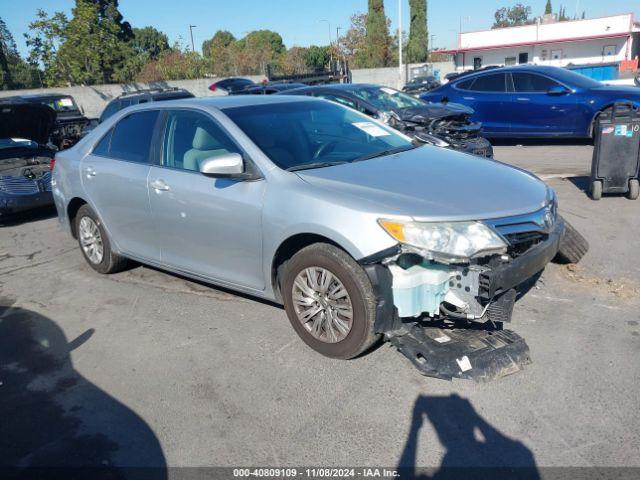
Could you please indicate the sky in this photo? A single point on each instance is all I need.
(300, 22)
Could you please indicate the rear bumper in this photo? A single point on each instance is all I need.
(19, 203)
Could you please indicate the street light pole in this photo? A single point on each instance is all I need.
(191, 27)
(400, 75)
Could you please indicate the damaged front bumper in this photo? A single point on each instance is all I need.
(447, 319)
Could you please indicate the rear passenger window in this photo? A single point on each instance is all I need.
(489, 83)
(464, 85)
(131, 137)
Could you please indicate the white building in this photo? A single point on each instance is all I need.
(594, 42)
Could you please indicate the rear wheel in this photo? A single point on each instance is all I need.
(634, 189)
(596, 190)
(329, 301)
(94, 243)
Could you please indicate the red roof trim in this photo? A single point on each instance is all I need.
(540, 42)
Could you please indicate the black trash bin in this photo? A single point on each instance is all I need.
(616, 155)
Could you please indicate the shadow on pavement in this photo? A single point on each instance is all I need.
(16, 219)
(54, 419)
(473, 448)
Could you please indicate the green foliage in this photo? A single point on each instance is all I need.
(221, 40)
(173, 65)
(513, 16)
(562, 16)
(377, 48)
(418, 46)
(317, 58)
(149, 42)
(14, 71)
(44, 38)
(548, 9)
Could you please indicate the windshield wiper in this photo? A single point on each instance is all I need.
(384, 153)
(308, 166)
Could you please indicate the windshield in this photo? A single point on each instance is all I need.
(384, 98)
(313, 134)
(61, 104)
(16, 143)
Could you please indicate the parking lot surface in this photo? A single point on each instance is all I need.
(146, 368)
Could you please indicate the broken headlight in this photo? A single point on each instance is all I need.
(447, 241)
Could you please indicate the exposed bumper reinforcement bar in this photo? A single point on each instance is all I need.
(475, 354)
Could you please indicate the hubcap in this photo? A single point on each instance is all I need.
(91, 240)
(322, 304)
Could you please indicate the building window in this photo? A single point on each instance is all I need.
(477, 63)
(556, 54)
(609, 50)
(523, 58)
(510, 61)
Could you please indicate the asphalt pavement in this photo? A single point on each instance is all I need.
(146, 368)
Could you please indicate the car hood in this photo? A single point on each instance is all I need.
(434, 111)
(26, 120)
(432, 183)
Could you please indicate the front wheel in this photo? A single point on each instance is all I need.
(596, 190)
(330, 301)
(634, 189)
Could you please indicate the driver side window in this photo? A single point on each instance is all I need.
(192, 137)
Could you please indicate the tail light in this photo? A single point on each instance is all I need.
(212, 87)
(52, 163)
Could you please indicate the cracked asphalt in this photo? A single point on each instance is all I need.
(146, 368)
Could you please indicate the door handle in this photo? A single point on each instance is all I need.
(159, 185)
(90, 172)
(523, 99)
(469, 98)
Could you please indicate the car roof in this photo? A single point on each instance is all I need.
(37, 96)
(547, 69)
(341, 87)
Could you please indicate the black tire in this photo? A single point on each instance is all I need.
(573, 246)
(634, 189)
(596, 190)
(362, 335)
(111, 262)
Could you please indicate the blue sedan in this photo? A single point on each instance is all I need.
(533, 101)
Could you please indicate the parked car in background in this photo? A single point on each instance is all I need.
(70, 122)
(437, 124)
(346, 221)
(25, 157)
(231, 85)
(268, 88)
(143, 96)
(421, 84)
(533, 101)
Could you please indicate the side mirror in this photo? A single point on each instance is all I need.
(223, 166)
(557, 90)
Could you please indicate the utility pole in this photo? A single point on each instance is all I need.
(400, 75)
(191, 27)
(330, 52)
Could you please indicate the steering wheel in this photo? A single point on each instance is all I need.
(325, 148)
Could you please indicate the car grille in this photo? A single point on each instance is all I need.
(25, 186)
(523, 232)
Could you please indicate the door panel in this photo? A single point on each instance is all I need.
(207, 226)
(487, 96)
(114, 177)
(536, 113)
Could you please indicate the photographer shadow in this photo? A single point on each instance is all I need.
(54, 419)
(473, 448)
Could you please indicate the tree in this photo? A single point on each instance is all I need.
(316, 58)
(173, 65)
(45, 37)
(14, 71)
(352, 42)
(548, 9)
(222, 39)
(418, 46)
(293, 62)
(149, 42)
(512, 16)
(562, 17)
(377, 41)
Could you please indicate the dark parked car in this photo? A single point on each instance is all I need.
(143, 96)
(433, 123)
(533, 101)
(421, 84)
(25, 159)
(70, 121)
(231, 85)
(268, 88)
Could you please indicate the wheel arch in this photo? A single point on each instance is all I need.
(72, 210)
(287, 249)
